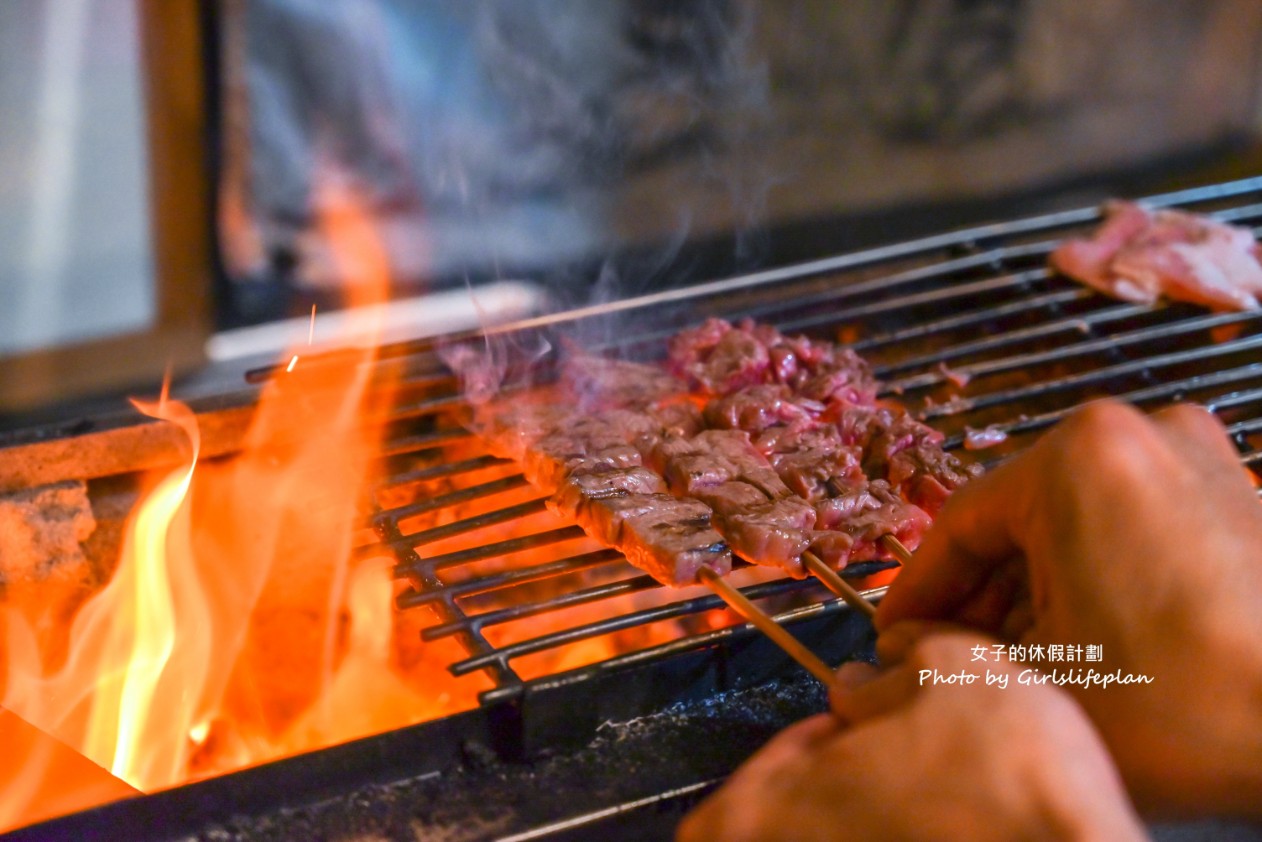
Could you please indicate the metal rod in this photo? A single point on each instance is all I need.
(1024, 393)
(836, 584)
(499, 548)
(896, 548)
(985, 316)
(448, 530)
(424, 441)
(790, 644)
(442, 471)
(451, 499)
(1161, 330)
(1171, 389)
(517, 576)
(994, 342)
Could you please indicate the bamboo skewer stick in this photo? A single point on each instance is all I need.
(755, 615)
(836, 584)
(896, 548)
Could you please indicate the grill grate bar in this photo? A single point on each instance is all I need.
(499, 548)
(1051, 224)
(1077, 349)
(453, 498)
(1172, 391)
(1074, 381)
(926, 247)
(699, 641)
(983, 316)
(613, 624)
(518, 576)
(1241, 428)
(427, 407)
(582, 596)
(1014, 337)
(1234, 399)
(424, 441)
(472, 640)
(832, 295)
(945, 269)
(990, 258)
(442, 470)
(1239, 214)
(450, 530)
(944, 295)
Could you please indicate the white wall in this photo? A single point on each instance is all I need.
(75, 257)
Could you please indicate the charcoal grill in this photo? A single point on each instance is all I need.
(969, 330)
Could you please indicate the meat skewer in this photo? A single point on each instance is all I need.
(812, 455)
(761, 519)
(588, 446)
(597, 478)
(811, 409)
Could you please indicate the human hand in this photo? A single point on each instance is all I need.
(1140, 535)
(902, 759)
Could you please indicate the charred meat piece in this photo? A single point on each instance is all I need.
(772, 533)
(828, 459)
(509, 428)
(559, 455)
(905, 452)
(1139, 255)
(714, 457)
(718, 358)
(645, 429)
(597, 477)
(759, 408)
(811, 472)
(578, 491)
(865, 511)
(754, 510)
(597, 383)
(799, 455)
(808, 456)
(555, 439)
(670, 538)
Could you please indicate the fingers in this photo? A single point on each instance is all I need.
(897, 642)
(888, 691)
(861, 694)
(1197, 435)
(972, 536)
(1070, 488)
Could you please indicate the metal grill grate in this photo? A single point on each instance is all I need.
(968, 330)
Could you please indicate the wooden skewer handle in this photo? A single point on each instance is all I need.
(756, 616)
(896, 548)
(836, 584)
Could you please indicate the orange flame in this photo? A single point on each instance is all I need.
(120, 698)
(145, 702)
(235, 628)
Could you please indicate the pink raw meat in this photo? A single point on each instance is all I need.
(1139, 255)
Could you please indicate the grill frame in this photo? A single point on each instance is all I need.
(876, 286)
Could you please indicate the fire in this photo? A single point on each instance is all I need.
(105, 699)
(144, 703)
(239, 625)
(236, 628)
